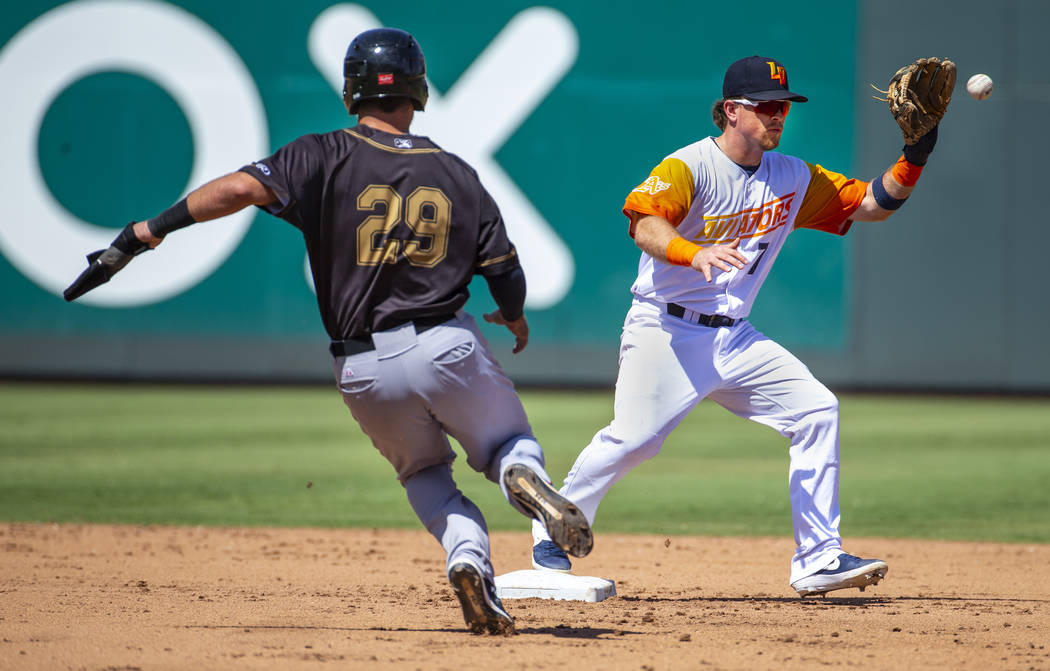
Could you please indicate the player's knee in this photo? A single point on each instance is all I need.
(819, 401)
(430, 491)
(828, 404)
(820, 414)
(634, 444)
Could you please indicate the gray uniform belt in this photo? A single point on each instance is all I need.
(352, 346)
(714, 321)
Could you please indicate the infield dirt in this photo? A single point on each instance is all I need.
(111, 597)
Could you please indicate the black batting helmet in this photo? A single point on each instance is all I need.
(384, 63)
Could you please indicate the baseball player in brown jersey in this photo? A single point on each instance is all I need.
(395, 228)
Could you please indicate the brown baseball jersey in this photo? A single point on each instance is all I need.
(395, 227)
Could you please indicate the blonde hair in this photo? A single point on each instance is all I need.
(718, 114)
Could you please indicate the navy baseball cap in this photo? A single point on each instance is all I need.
(758, 78)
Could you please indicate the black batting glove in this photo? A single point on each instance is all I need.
(105, 263)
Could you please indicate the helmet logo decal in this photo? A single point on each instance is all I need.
(385, 78)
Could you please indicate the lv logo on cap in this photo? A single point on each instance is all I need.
(777, 72)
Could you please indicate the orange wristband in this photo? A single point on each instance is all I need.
(680, 252)
(906, 174)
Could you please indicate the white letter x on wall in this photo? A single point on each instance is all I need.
(487, 104)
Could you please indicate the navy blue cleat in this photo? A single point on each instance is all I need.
(843, 572)
(546, 556)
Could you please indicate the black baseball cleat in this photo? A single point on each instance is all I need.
(482, 609)
(565, 524)
(843, 572)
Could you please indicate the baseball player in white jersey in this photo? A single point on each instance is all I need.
(710, 221)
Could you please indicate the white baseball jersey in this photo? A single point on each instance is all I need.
(668, 364)
(712, 200)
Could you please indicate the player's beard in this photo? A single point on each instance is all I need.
(770, 140)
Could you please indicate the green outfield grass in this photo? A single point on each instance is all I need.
(912, 466)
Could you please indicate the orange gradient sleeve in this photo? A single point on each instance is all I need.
(829, 201)
(906, 174)
(680, 252)
(667, 193)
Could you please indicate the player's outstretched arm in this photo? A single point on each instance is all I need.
(918, 95)
(226, 195)
(218, 198)
(222, 196)
(888, 191)
(658, 238)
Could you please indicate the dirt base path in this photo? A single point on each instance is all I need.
(110, 597)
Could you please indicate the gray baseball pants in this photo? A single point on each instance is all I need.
(414, 391)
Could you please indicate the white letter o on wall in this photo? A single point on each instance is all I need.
(192, 63)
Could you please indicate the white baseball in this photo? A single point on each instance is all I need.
(980, 86)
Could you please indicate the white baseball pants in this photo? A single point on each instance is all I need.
(667, 366)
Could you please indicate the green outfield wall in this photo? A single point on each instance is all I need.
(116, 109)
